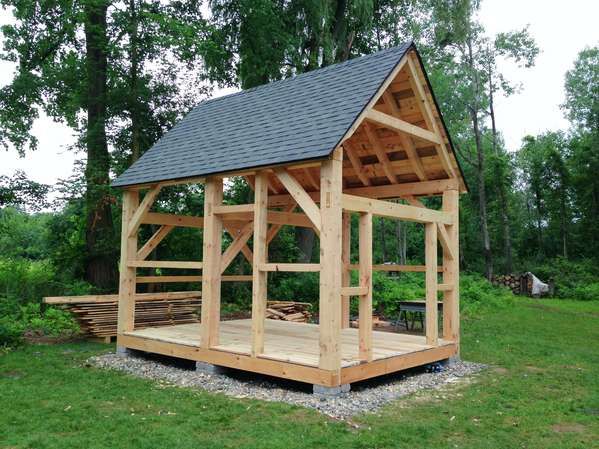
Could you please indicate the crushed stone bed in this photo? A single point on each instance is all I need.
(365, 396)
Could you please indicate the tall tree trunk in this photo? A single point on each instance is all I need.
(304, 239)
(503, 200)
(133, 82)
(101, 260)
(480, 168)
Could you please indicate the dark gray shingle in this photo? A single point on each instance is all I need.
(295, 119)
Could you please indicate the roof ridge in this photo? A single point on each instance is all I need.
(275, 83)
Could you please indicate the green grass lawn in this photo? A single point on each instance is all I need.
(541, 392)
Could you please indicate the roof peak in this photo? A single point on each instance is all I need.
(401, 47)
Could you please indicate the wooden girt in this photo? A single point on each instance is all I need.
(422, 188)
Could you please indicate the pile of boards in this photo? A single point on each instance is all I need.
(298, 312)
(97, 314)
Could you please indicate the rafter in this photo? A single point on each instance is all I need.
(356, 163)
(380, 152)
(406, 141)
(429, 117)
(311, 179)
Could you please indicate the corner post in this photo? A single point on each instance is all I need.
(451, 271)
(330, 259)
(365, 321)
(211, 276)
(345, 260)
(430, 257)
(126, 308)
(259, 278)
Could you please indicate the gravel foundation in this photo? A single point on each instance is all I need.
(365, 396)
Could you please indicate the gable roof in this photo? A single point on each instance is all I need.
(295, 119)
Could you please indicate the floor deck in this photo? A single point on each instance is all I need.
(289, 342)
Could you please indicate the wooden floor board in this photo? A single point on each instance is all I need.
(287, 341)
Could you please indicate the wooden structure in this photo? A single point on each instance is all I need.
(394, 146)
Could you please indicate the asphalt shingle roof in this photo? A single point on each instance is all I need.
(291, 120)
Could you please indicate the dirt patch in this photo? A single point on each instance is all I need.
(500, 370)
(562, 311)
(534, 369)
(568, 428)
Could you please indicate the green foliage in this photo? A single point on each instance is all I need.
(573, 280)
(17, 319)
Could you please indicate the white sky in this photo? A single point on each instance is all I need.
(560, 29)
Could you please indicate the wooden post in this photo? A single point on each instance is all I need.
(126, 313)
(451, 271)
(211, 274)
(365, 321)
(259, 278)
(330, 259)
(430, 257)
(345, 260)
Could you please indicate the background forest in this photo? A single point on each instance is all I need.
(120, 74)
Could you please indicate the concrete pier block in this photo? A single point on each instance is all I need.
(320, 390)
(209, 368)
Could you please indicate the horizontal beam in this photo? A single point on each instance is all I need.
(393, 210)
(93, 299)
(394, 267)
(186, 221)
(444, 287)
(233, 208)
(297, 267)
(354, 291)
(399, 125)
(161, 279)
(164, 264)
(422, 188)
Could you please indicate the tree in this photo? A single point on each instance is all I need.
(71, 59)
(20, 192)
(472, 59)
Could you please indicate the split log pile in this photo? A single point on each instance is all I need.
(512, 281)
(298, 312)
(97, 315)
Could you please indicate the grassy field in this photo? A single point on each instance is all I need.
(541, 392)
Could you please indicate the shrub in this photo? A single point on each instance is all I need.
(571, 279)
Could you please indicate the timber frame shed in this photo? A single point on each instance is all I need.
(362, 137)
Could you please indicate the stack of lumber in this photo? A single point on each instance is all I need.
(511, 281)
(97, 314)
(297, 312)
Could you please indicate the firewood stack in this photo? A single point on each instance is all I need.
(297, 312)
(511, 281)
(97, 315)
